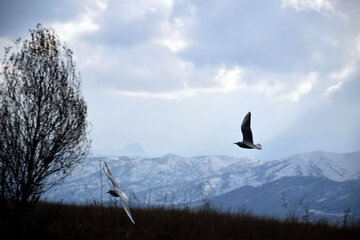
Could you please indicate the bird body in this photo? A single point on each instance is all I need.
(116, 192)
(247, 135)
(249, 145)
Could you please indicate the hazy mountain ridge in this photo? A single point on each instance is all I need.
(310, 197)
(173, 179)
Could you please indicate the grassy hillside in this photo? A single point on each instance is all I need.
(59, 221)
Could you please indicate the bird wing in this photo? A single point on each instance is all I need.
(246, 130)
(110, 176)
(125, 203)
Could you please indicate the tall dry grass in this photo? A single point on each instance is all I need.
(61, 221)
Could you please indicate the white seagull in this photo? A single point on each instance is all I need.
(116, 192)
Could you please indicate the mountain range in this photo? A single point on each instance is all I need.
(315, 184)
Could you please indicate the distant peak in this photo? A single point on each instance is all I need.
(133, 149)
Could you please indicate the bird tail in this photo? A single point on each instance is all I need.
(258, 145)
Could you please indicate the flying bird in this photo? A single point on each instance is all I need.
(247, 134)
(116, 192)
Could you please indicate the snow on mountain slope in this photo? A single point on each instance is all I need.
(173, 179)
(334, 166)
(146, 177)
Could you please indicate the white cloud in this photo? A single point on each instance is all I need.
(70, 30)
(303, 87)
(333, 88)
(314, 5)
(157, 53)
(352, 66)
(345, 72)
(224, 81)
(348, 70)
(83, 23)
(173, 34)
(228, 80)
(237, 78)
(173, 29)
(145, 70)
(130, 10)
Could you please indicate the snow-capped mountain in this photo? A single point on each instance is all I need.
(196, 176)
(334, 166)
(148, 178)
(174, 179)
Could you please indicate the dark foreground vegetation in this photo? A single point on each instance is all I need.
(60, 221)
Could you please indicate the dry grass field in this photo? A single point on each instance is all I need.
(61, 221)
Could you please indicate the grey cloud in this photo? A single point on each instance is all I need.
(147, 68)
(263, 34)
(275, 47)
(246, 34)
(115, 29)
(17, 16)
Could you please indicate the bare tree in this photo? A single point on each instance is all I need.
(43, 126)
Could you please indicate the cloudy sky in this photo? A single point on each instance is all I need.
(179, 76)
